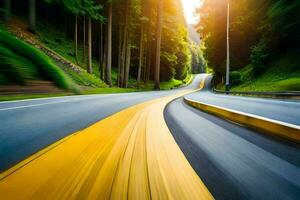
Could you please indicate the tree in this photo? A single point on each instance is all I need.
(133, 37)
(101, 52)
(264, 29)
(158, 43)
(84, 38)
(125, 50)
(143, 20)
(109, 45)
(76, 39)
(92, 11)
(90, 67)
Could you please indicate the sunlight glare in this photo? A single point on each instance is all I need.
(189, 7)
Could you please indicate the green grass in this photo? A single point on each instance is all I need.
(83, 78)
(21, 62)
(57, 41)
(111, 90)
(283, 74)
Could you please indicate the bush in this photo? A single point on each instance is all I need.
(258, 57)
(23, 60)
(235, 78)
(290, 84)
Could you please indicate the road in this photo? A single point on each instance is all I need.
(282, 110)
(128, 155)
(233, 161)
(29, 126)
(145, 145)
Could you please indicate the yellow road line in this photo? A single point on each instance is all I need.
(130, 155)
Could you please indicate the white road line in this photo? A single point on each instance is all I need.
(36, 99)
(34, 105)
(49, 103)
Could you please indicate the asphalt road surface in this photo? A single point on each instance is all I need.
(233, 161)
(30, 125)
(282, 110)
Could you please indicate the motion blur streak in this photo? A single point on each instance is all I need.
(131, 154)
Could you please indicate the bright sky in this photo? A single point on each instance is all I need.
(189, 7)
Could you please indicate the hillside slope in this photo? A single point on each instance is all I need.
(282, 74)
(22, 64)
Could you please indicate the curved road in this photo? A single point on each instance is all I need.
(30, 125)
(282, 110)
(233, 161)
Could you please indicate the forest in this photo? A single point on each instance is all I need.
(264, 42)
(105, 43)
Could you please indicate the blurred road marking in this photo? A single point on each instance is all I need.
(129, 155)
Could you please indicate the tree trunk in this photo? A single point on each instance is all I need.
(104, 60)
(119, 53)
(125, 43)
(76, 39)
(109, 45)
(128, 59)
(84, 37)
(31, 16)
(141, 52)
(7, 7)
(123, 57)
(101, 52)
(149, 58)
(158, 43)
(90, 67)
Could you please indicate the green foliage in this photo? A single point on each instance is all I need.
(292, 84)
(259, 56)
(175, 53)
(235, 78)
(87, 8)
(21, 62)
(259, 31)
(199, 63)
(282, 75)
(168, 61)
(51, 37)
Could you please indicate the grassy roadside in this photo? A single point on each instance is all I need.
(21, 62)
(145, 87)
(165, 86)
(283, 74)
(57, 41)
(87, 83)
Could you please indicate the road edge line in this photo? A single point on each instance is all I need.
(269, 126)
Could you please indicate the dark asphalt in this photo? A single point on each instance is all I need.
(233, 161)
(282, 110)
(31, 125)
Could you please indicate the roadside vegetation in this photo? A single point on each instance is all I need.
(264, 43)
(21, 62)
(102, 46)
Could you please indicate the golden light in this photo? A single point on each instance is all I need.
(189, 7)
